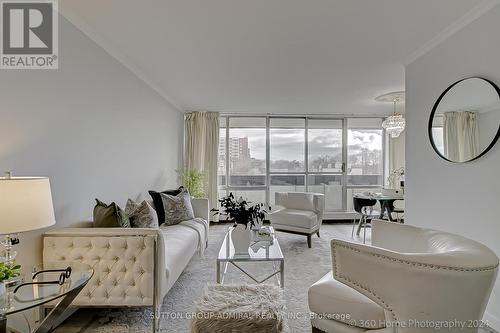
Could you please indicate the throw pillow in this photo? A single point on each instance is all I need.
(178, 208)
(141, 215)
(109, 216)
(158, 203)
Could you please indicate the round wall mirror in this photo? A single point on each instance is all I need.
(465, 120)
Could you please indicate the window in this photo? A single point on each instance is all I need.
(285, 183)
(247, 151)
(287, 142)
(365, 162)
(437, 137)
(254, 196)
(330, 186)
(336, 157)
(221, 164)
(438, 133)
(325, 145)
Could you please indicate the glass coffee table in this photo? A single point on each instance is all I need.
(259, 251)
(48, 283)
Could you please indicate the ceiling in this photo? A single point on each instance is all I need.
(268, 56)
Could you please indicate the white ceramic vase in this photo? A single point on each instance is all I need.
(241, 237)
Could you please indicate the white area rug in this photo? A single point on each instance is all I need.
(240, 308)
(303, 267)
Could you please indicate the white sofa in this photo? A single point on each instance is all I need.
(300, 213)
(412, 277)
(132, 267)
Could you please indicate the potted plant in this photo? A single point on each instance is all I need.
(8, 270)
(244, 215)
(193, 181)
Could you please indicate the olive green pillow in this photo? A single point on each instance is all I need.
(109, 216)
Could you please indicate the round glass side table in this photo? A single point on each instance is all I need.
(57, 284)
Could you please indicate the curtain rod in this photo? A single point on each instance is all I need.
(281, 115)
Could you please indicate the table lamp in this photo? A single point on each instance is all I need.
(25, 205)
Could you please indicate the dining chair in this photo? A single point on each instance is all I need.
(399, 210)
(366, 212)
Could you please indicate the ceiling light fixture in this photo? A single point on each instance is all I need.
(395, 123)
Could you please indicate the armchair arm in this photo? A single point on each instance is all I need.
(201, 208)
(417, 286)
(319, 206)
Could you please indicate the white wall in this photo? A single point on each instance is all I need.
(488, 127)
(461, 198)
(92, 126)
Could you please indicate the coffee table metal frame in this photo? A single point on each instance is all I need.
(226, 257)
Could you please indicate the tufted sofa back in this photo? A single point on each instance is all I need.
(123, 261)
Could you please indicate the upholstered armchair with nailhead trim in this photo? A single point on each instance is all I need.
(409, 280)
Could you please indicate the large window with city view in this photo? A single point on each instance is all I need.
(259, 156)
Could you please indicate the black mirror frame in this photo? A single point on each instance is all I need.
(434, 108)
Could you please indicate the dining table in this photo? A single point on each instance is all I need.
(386, 201)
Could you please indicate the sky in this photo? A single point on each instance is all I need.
(288, 144)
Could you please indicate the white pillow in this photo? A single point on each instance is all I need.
(141, 215)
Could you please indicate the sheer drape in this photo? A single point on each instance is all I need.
(397, 152)
(201, 148)
(460, 136)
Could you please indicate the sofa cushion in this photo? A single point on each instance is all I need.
(158, 203)
(181, 243)
(295, 218)
(109, 216)
(141, 215)
(333, 299)
(177, 208)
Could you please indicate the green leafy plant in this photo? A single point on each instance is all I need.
(9, 270)
(241, 211)
(193, 181)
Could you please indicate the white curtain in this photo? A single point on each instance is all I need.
(460, 136)
(397, 152)
(201, 148)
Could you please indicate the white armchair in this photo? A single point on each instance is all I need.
(412, 277)
(301, 213)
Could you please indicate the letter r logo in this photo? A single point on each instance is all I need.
(27, 27)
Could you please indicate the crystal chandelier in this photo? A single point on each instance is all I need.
(394, 124)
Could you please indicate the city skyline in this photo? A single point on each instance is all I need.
(287, 145)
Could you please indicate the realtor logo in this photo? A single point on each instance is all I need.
(29, 36)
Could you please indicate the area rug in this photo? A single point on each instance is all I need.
(247, 308)
(303, 267)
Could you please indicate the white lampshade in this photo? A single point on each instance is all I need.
(25, 204)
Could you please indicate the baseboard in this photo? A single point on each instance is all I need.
(340, 221)
(337, 221)
(493, 322)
